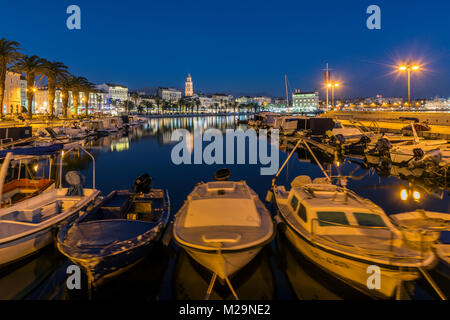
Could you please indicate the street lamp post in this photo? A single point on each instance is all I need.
(332, 85)
(409, 68)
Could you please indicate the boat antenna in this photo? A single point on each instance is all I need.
(286, 86)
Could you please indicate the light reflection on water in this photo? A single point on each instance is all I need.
(168, 273)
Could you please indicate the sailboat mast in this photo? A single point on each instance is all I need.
(287, 95)
(326, 83)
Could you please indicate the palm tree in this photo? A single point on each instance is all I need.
(135, 97)
(158, 103)
(128, 104)
(197, 103)
(31, 66)
(8, 55)
(54, 71)
(88, 88)
(148, 105)
(77, 85)
(66, 84)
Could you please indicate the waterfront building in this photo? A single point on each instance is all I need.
(280, 101)
(205, 102)
(244, 100)
(262, 101)
(23, 92)
(115, 92)
(41, 104)
(189, 87)
(221, 99)
(12, 95)
(169, 94)
(438, 104)
(305, 101)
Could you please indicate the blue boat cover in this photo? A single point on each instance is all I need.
(33, 151)
(103, 237)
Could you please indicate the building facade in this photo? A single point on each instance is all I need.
(115, 92)
(169, 94)
(244, 100)
(305, 101)
(221, 99)
(262, 101)
(189, 86)
(205, 102)
(12, 96)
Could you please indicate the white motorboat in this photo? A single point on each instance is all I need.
(223, 225)
(420, 151)
(423, 229)
(32, 209)
(345, 234)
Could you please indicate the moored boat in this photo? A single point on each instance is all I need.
(345, 234)
(428, 230)
(32, 209)
(223, 225)
(117, 232)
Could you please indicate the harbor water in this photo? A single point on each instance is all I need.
(278, 272)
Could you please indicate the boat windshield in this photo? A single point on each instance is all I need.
(333, 217)
(369, 219)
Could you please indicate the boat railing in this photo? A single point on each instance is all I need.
(61, 164)
(373, 252)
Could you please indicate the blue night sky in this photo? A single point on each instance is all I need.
(241, 46)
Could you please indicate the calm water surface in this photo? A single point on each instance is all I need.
(279, 272)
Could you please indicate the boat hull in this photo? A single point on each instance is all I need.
(101, 269)
(350, 271)
(225, 264)
(21, 248)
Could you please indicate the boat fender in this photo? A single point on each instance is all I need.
(281, 225)
(269, 196)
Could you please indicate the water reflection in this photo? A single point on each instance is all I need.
(120, 158)
(254, 282)
(143, 281)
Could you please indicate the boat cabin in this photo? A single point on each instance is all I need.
(322, 208)
(27, 176)
(222, 203)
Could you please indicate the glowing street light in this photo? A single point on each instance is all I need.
(332, 85)
(409, 68)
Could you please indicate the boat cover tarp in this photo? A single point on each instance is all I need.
(222, 212)
(33, 151)
(102, 236)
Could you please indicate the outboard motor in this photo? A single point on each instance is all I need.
(142, 183)
(222, 174)
(76, 181)
(382, 147)
(418, 154)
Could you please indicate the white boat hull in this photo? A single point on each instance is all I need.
(226, 264)
(349, 270)
(21, 248)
